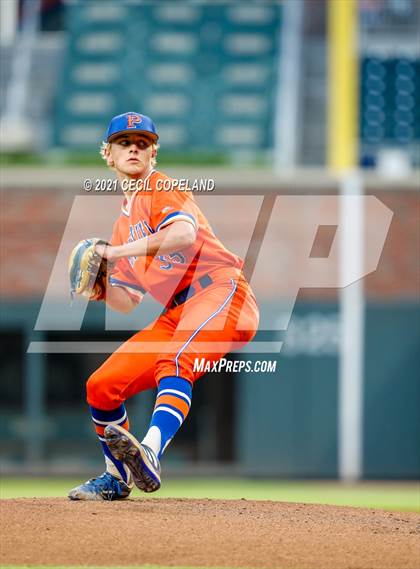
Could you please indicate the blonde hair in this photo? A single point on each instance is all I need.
(105, 149)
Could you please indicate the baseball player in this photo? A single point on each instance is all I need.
(162, 245)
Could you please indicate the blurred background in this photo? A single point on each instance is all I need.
(239, 92)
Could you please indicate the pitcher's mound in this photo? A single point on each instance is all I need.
(206, 533)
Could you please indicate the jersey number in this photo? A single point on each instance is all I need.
(168, 261)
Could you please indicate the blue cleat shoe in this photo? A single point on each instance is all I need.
(106, 487)
(140, 459)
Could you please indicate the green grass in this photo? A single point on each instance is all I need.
(386, 495)
(91, 158)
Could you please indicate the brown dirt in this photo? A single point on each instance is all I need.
(237, 533)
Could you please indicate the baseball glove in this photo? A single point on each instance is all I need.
(88, 270)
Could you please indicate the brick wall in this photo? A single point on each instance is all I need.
(33, 222)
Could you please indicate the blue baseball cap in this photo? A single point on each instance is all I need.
(131, 122)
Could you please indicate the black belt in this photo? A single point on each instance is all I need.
(189, 291)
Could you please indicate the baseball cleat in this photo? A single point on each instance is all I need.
(105, 487)
(140, 459)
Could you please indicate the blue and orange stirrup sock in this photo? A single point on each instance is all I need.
(173, 401)
(100, 420)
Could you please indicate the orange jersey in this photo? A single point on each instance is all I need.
(150, 209)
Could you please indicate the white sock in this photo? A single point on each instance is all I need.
(112, 469)
(153, 439)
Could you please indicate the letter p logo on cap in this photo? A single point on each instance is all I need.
(133, 120)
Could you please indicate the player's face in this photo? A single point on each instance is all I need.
(132, 154)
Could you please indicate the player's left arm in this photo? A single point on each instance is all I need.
(175, 237)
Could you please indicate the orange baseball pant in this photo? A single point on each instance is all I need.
(222, 317)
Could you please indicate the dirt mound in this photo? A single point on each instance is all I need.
(237, 533)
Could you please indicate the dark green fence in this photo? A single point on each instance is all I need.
(277, 424)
